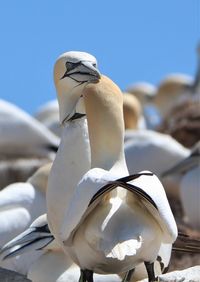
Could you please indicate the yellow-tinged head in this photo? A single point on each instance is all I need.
(132, 111)
(72, 71)
(40, 178)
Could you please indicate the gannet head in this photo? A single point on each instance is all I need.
(132, 111)
(72, 71)
(40, 178)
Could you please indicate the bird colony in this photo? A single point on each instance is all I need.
(100, 184)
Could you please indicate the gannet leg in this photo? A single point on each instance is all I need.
(128, 275)
(86, 276)
(150, 271)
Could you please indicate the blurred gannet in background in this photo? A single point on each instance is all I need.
(23, 136)
(189, 172)
(132, 111)
(170, 91)
(48, 114)
(156, 151)
(52, 265)
(182, 121)
(94, 244)
(145, 92)
(20, 204)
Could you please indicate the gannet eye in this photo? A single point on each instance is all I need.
(94, 65)
(70, 66)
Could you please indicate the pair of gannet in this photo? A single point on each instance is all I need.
(48, 114)
(20, 204)
(189, 172)
(104, 231)
(23, 136)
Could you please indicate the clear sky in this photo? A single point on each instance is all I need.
(133, 40)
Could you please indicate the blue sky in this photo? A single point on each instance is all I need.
(133, 40)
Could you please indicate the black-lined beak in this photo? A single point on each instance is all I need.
(83, 71)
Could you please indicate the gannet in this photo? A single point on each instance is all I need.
(24, 136)
(188, 170)
(132, 111)
(20, 204)
(175, 89)
(145, 92)
(48, 114)
(73, 155)
(94, 245)
(52, 265)
(171, 89)
(156, 151)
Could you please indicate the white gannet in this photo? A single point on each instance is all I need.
(156, 151)
(48, 114)
(73, 155)
(24, 136)
(20, 204)
(52, 265)
(95, 245)
(188, 170)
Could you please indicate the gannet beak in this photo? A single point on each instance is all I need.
(83, 71)
(33, 238)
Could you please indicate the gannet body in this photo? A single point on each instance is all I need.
(20, 204)
(23, 136)
(155, 151)
(103, 102)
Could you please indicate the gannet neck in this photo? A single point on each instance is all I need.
(71, 162)
(104, 110)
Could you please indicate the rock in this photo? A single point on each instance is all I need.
(11, 276)
(191, 274)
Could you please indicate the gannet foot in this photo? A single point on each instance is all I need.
(86, 276)
(150, 271)
(128, 275)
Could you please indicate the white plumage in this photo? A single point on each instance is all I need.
(24, 136)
